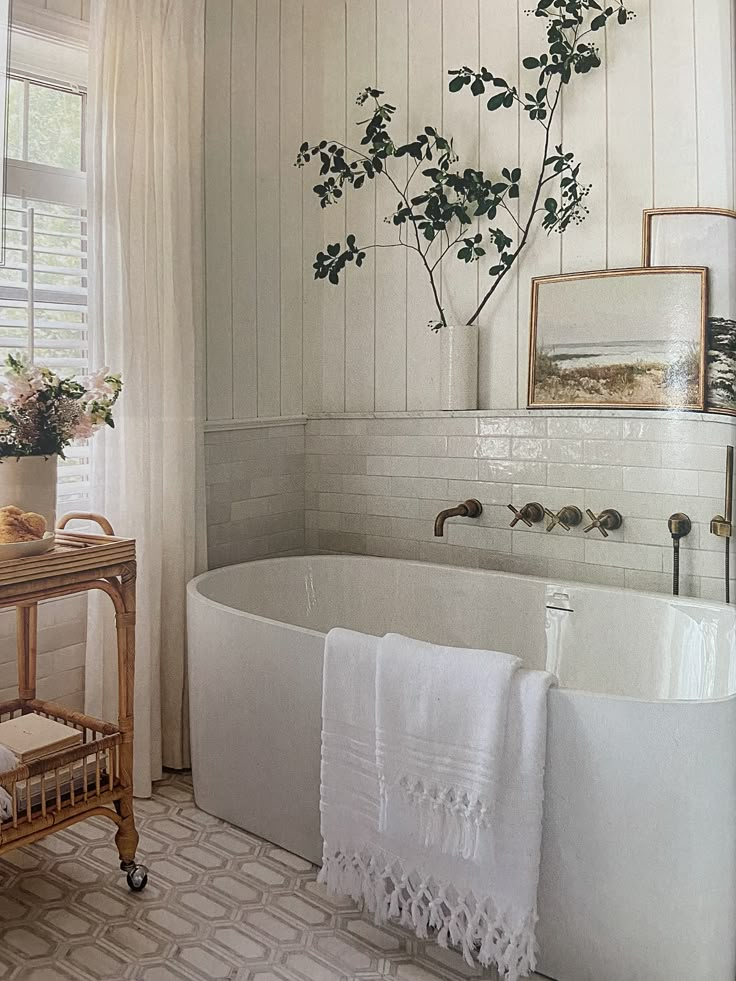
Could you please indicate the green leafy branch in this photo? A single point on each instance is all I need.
(464, 211)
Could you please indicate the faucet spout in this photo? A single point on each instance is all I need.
(468, 509)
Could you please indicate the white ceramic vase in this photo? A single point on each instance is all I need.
(29, 482)
(459, 367)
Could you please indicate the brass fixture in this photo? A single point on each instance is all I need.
(468, 509)
(680, 526)
(530, 514)
(722, 524)
(608, 520)
(567, 518)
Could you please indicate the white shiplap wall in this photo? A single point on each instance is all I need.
(655, 128)
(254, 73)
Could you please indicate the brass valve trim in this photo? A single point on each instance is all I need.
(530, 514)
(568, 517)
(607, 520)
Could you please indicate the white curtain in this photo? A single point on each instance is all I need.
(146, 280)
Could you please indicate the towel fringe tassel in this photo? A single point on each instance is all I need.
(484, 935)
(450, 819)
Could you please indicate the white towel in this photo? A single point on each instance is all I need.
(486, 903)
(7, 762)
(440, 743)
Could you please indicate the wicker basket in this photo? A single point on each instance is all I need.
(49, 790)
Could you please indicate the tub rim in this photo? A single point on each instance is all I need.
(194, 593)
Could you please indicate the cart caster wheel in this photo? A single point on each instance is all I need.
(138, 878)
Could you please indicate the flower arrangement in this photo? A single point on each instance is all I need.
(42, 413)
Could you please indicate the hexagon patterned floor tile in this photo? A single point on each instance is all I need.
(220, 904)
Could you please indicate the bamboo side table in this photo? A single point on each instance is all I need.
(95, 778)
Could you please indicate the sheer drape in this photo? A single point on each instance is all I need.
(145, 214)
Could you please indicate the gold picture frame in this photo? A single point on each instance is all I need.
(550, 387)
(715, 401)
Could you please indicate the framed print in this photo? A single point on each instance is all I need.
(619, 338)
(704, 237)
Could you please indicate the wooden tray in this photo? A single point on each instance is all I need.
(73, 552)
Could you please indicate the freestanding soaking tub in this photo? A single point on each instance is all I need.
(638, 875)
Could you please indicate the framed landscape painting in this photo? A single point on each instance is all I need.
(619, 338)
(704, 237)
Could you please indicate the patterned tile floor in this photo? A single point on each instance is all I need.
(220, 903)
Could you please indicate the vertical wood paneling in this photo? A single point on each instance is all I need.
(584, 132)
(656, 126)
(313, 228)
(268, 210)
(360, 284)
(630, 176)
(542, 256)
(715, 53)
(391, 264)
(426, 85)
(499, 148)
(334, 96)
(218, 198)
(291, 207)
(675, 123)
(460, 120)
(243, 210)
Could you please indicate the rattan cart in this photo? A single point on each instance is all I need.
(94, 778)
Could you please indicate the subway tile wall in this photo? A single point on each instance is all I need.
(374, 484)
(61, 648)
(255, 491)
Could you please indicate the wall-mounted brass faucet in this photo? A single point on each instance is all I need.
(530, 514)
(468, 509)
(567, 518)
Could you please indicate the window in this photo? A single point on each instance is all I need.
(45, 123)
(43, 284)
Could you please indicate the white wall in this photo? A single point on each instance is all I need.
(255, 491)
(253, 125)
(655, 128)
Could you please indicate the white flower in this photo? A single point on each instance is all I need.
(85, 427)
(98, 387)
(18, 388)
(36, 379)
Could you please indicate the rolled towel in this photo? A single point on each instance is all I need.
(7, 762)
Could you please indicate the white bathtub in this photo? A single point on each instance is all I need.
(638, 874)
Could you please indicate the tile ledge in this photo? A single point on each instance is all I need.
(265, 422)
(663, 416)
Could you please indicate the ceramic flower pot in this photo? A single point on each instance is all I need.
(29, 482)
(459, 367)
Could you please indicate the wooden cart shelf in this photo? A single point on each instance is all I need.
(94, 778)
